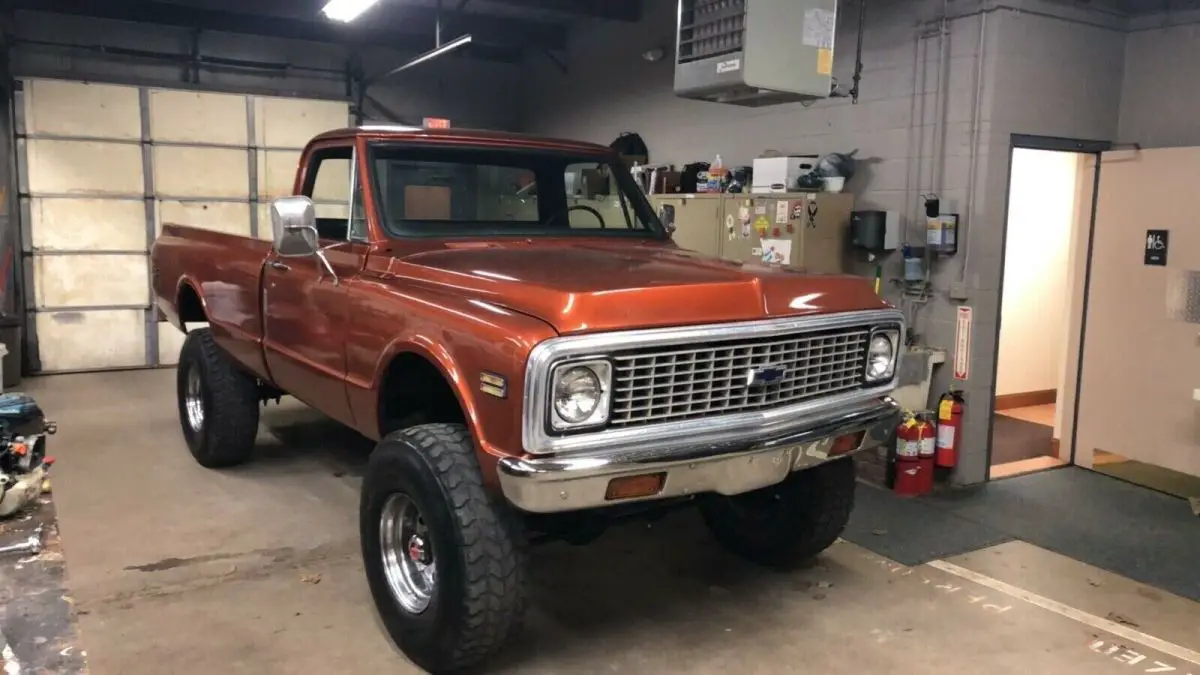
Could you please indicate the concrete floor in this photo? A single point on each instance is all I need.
(177, 569)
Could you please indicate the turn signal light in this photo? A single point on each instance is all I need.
(628, 487)
(846, 444)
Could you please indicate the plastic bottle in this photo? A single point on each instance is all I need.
(716, 175)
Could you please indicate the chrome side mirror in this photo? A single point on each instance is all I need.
(666, 214)
(294, 227)
(294, 230)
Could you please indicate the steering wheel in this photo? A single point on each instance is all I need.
(579, 207)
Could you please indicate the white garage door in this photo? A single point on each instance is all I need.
(103, 166)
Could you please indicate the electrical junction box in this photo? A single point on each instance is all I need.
(755, 52)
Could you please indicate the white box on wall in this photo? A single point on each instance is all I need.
(780, 171)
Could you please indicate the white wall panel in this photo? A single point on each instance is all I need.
(81, 109)
(197, 117)
(291, 122)
(201, 172)
(87, 225)
(91, 340)
(228, 217)
(90, 280)
(85, 168)
(276, 173)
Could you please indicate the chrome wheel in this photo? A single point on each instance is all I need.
(408, 561)
(193, 400)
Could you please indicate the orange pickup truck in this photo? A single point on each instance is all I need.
(508, 317)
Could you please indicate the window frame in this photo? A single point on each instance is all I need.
(356, 196)
(633, 199)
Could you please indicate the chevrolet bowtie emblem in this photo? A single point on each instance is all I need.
(764, 377)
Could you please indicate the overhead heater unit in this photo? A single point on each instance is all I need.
(755, 52)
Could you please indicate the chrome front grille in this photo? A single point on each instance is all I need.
(671, 383)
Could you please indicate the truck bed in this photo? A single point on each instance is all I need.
(224, 271)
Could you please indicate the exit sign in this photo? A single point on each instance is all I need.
(436, 123)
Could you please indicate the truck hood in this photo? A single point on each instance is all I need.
(577, 287)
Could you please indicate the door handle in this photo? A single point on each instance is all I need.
(280, 266)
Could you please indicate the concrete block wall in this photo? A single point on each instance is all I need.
(1162, 66)
(1047, 69)
(469, 92)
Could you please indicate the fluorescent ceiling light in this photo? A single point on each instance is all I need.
(347, 10)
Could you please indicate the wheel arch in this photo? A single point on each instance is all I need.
(418, 378)
(190, 306)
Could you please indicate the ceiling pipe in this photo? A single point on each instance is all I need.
(439, 49)
(456, 43)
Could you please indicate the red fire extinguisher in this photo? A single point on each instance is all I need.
(950, 414)
(927, 450)
(908, 463)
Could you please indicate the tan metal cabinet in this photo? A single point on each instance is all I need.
(698, 220)
(807, 231)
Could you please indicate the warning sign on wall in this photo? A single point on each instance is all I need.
(962, 343)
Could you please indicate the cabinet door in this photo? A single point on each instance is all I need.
(697, 220)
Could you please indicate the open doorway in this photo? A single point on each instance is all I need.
(1045, 255)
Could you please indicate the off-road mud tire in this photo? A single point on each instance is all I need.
(789, 523)
(230, 403)
(478, 545)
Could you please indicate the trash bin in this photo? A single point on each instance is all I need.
(10, 336)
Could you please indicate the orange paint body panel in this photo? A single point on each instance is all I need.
(466, 305)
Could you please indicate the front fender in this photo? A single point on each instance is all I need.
(461, 337)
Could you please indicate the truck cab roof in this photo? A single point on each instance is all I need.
(479, 137)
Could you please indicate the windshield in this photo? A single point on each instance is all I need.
(448, 191)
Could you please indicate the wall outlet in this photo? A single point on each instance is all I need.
(958, 290)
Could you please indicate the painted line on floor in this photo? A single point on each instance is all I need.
(11, 665)
(1106, 625)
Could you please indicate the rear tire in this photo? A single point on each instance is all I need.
(445, 561)
(789, 523)
(218, 403)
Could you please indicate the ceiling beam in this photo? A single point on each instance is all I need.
(403, 28)
(613, 10)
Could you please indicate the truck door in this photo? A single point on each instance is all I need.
(304, 307)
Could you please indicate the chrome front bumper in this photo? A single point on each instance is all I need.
(726, 466)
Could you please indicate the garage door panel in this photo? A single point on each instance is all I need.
(291, 123)
(339, 211)
(90, 280)
(84, 159)
(91, 340)
(277, 173)
(201, 172)
(264, 222)
(332, 182)
(82, 109)
(84, 168)
(87, 225)
(196, 117)
(170, 341)
(227, 217)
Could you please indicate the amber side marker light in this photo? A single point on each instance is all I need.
(846, 444)
(628, 487)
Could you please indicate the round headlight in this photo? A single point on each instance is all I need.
(577, 394)
(879, 357)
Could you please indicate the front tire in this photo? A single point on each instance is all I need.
(789, 523)
(445, 562)
(218, 403)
